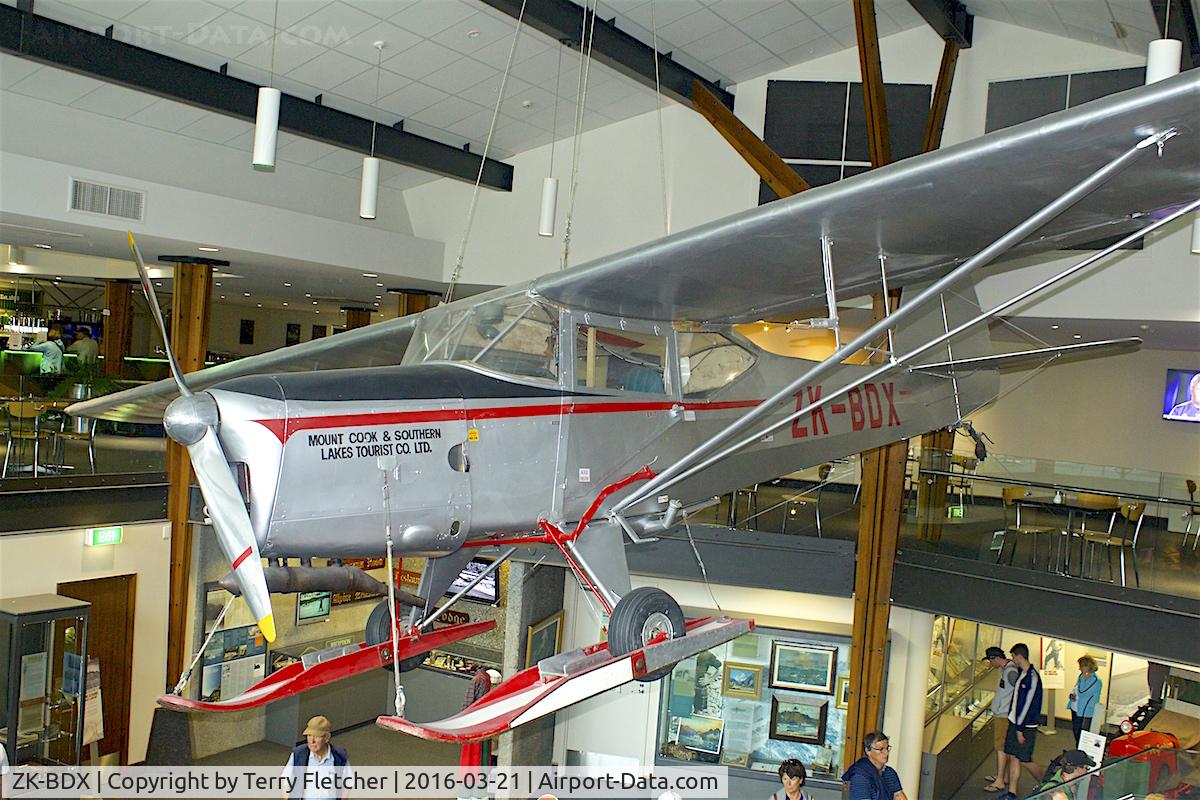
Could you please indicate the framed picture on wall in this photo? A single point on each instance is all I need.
(291, 334)
(798, 719)
(735, 759)
(702, 734)
(742, 680)
(843, 691)
(803, 667)
(246, 332)
(543, 639)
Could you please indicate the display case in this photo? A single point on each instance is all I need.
(43, 649)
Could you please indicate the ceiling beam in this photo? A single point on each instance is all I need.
(774, 171)
(563, 21)
(60, 45)
(948, 18)
(1182, 27)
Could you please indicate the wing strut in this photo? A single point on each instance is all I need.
(684, 468)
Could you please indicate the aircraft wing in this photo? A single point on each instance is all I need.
(927, 214)
(381, 343)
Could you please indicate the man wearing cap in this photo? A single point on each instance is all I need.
(1072, 764)
(1001, 702)
(317, 752)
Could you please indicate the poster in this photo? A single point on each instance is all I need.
(93, 705)
(1052, 664)
(33, 676)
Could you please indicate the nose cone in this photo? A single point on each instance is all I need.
(188, 417)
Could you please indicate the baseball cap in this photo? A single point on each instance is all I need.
(993, 652)
(1077, 758)
(317, 726)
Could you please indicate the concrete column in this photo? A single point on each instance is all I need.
(534, 593)
(904, 716)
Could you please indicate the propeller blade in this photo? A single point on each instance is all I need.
(152, 300)
(233, 527)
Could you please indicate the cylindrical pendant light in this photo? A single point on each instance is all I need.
(1162, 60)
(266, 128)
(549, 206)
(369, 197)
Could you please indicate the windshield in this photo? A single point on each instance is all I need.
(509, 333)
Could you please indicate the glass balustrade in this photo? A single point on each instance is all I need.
(1155, 773)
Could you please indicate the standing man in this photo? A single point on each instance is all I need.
(317, 752)
(84, 346)
(52, 358)
(1001, 703)
(1023, 717)
(870, 777)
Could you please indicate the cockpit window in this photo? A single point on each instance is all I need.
(512, 334)
(614, 359)
(708, 361)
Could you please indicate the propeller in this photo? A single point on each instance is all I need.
(192, 420)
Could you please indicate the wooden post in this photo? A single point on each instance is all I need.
(412, 302)
(357, 317)
(189, 341)
(878, 139)
(117, 335)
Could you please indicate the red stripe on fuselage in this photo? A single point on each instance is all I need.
(238, 561)
(284, 428)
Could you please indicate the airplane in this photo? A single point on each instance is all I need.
(604, 404)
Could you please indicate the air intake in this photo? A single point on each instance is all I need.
(96, 198)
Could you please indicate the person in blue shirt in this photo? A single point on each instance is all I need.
(317, 752)
(1084, 696)
(870, 778)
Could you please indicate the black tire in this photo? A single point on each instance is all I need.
(379, 629)
(638, 617)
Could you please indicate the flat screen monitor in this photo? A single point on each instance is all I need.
(1181, 398)
(487, 591)
(312, 607)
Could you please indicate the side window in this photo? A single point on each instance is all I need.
(614, 359)
(708, 361)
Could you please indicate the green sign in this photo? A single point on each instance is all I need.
(99, 537)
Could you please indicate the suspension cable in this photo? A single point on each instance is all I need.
(586, 38)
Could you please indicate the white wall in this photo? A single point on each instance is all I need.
(35, 563)
(588, 726)
(270, 326)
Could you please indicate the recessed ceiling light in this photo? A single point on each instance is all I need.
(314, 302)
(246, 293)
(260, 305)
(377, 304)
(370, 275)
(378, 297)
(380, 285)
(59, 278)
(285, 304)
(526, 104)
(209, 249)
(44, 246)
(285, 283)
(216, 283)
(1077, 336)
(156, 283)
(316, 312)
(1053, 327)
(308, 294)
(222, 297)
(472, 34)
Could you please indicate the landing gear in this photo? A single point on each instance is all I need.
(379, 630)
(640, 617)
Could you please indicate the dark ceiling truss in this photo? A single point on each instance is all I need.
(563, 20)
(948, 18)
(1183, 27)
(31, 36)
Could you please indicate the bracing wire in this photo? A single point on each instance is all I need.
(187, 673)
(487, 144)
(662, 149)
(586, 37)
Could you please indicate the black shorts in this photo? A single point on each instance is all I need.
(1014, 748)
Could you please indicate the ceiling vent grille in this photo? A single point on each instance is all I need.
(111, 201)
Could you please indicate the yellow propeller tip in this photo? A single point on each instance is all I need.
(130, 235)
(267, 626)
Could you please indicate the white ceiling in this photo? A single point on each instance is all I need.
(441, 69)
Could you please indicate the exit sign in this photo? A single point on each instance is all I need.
(100, 537)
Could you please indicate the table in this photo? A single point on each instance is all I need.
(1085, 504)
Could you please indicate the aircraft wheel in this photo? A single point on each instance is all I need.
(639, 617)
(379, 629)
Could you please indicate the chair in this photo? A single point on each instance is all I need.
(68, 431)
(963, 479)
(813, 500)
(1086, 507)
(1133, 514)
(1012, 500)
(23, 428)
(1191, 515)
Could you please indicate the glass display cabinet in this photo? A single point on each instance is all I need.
(43, 648)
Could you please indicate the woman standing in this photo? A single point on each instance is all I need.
(1084, 696)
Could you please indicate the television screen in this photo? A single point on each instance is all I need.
(312, 606)
(1181, 400)
(487, 591)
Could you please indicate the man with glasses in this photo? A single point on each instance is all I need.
(870, 777)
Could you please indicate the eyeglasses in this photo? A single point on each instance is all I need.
(887, 748)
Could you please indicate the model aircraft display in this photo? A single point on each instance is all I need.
(604, 403)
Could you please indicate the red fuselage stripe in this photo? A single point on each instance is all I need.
(284, 428)
(237, 562)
